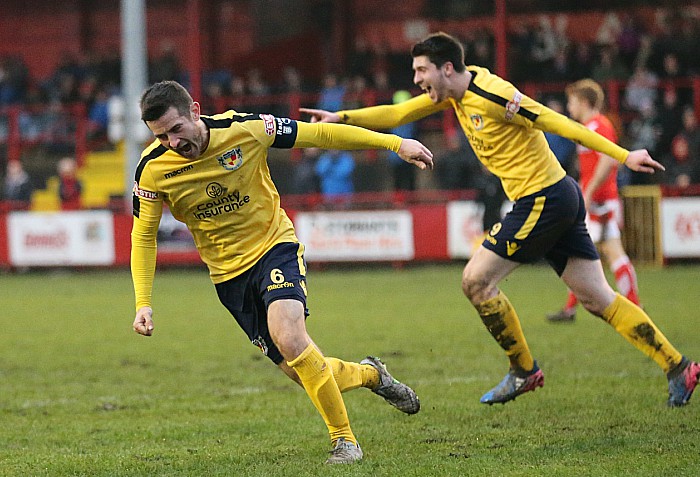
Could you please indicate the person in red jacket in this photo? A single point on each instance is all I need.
(598, 179)
(70, 188)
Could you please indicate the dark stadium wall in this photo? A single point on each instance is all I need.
(314, 35)
(42, 32)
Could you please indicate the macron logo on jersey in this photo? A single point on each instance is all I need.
(179, 171)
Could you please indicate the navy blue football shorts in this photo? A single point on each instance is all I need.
(279, 274)
(548, 224)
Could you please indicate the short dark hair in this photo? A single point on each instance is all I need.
(159, 97)
(441, 48)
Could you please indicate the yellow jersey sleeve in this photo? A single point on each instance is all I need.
(343, 136)
(392, 115)
(144, 232)
(556, 123)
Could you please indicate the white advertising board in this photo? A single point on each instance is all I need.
(680, 227)
(464, 228)
(62, 238)
(351, 236)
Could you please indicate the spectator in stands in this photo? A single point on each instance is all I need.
(334, 170)
(70, 188)
(305, 179)
(396, 62)
(641, 88)
(257, 86)
(688, 44)
(544, 47)
(356, 92)
(17, 186)
(643, 133)
(645, 52)
(683, 166)
(292, 81)
(404, 178)
(14, 80)
(360, 58)
(581, 63)
(98, 115)
(673, 71)
(255, 83)
(669, 118)
(609, 67)
(380, 80)
(561, 69)
(379, 68)
(237, 87)
(564, 149)
(482, 49)
(458, 165)
(166, 66)
(332, 93)
(214, 97)
(520, 41)
(629, 39)
(672, 68)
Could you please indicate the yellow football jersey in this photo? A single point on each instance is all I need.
(499, 121)
(504, 128)
(226, 196)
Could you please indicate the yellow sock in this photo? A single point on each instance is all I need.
(502, 321)
(351, 375)
(317, 378)
(636, 327)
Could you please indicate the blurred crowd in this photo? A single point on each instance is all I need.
(655, 112)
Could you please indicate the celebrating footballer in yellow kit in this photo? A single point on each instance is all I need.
(212, 173)
(505, 129)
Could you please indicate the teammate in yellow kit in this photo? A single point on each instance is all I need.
(505, 129)
(212, 173)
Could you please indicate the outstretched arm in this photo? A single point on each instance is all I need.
(553, 122)
(143, 260)
(639, 160)
(342, 136)
(381, 117)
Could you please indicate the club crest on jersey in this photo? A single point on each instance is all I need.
(477, 121)
(513, 106)
(231, 160)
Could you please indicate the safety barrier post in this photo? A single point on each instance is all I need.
(642, 230)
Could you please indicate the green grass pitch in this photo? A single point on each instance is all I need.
(82, 395)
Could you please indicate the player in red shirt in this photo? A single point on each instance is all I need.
(598, 179)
